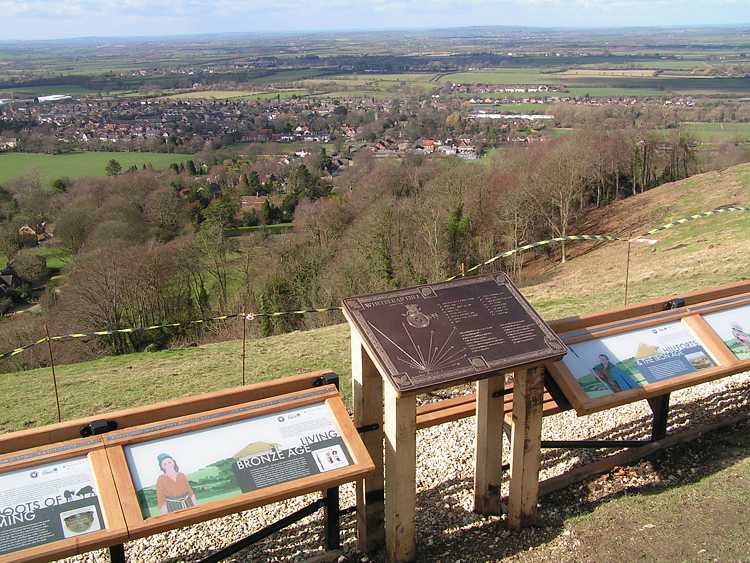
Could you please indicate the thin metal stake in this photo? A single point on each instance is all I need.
(627, 274)
(54, 376)
(244, 341)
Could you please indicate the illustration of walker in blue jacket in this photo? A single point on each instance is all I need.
(617, 379)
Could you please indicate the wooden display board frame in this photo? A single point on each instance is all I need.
(691, 316)
(138, 526)
(115, 530)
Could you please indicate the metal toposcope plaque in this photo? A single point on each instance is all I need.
(440, 334)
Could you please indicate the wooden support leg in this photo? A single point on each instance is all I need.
(401, 476)
(367, 402)
(488, 445)
(528, 396)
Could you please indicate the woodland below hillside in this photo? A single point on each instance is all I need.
(150, 247)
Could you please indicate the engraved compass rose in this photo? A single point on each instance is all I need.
(426, 356)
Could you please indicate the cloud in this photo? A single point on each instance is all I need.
(65, 18)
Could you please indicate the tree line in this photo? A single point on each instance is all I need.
(150, 247)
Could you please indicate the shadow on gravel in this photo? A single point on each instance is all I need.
(468, 537)
(711, 409)
(448, 532)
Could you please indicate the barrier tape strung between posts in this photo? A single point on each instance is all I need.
(506, 254)
(525, 247)
(248, 317)
(717, 211)
(136, 329)
(276, 314)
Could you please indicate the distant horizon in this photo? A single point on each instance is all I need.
(338, 31)
(44, 20)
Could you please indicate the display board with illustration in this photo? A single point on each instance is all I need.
(220, 462)
(630, 360)
(45, 503)
(733, 327)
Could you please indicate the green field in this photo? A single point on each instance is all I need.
(34, 91)
(283, 148)
(715, 132)
(518, 108)
(502, 76)
(237, 94)
(607, 91)
(380, 86)
(57, 256)
(49, 167)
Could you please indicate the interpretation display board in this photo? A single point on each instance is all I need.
(225, 461)
(733, 327)
(442, 334)
(48, 502)
(654, 354)
(173, 473)
(52, 506)
(633, 359)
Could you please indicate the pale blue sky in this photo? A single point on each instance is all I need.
(44, 19)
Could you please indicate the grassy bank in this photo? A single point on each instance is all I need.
(49, 167)
(699, 254)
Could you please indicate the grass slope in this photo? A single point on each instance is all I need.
(700, 254)
(652, 526)
(49, 167)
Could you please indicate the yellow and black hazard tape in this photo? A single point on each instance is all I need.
(254, 316)
(695, 217)
(136, 329)
(525, 247)
(21, 349)
(131, 330)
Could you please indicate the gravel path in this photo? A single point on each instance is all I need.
(447, 529)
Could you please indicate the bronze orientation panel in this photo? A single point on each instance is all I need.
(441, 334)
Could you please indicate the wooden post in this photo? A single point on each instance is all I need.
(488, 445)
(528, 397)
(401, 475)
(367, 404)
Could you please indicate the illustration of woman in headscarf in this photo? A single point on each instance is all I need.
(173, 491)
(741, 336)
(621, 378)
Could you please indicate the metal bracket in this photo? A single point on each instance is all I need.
(660, 408)
(553, 389)
(117, 554)
(368, 428)
(674, 304)
(505, 391)
(262, 534)
(374, 496)
(97, 427)
(333, 519)
(327, 379)
(594, 444)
